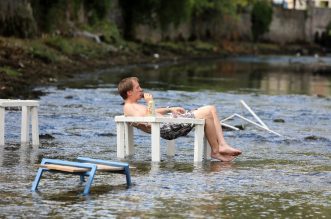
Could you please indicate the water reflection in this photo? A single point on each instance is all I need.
(305, 83)
(274, 178)
(21, 155)
(216, 166)
(260, 75)
(1, 155)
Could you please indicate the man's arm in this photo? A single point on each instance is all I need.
(175, 110)
(162, 111)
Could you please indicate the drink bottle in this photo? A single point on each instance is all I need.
(151, 108)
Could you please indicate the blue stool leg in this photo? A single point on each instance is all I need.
(82, 179)
(89, 181)
(37, 179)
(110, 163)
(128, 176)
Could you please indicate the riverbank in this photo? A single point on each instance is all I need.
(25, 64)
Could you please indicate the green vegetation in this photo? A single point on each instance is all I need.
(67, 18)
(210, 8)
(80, 47)
(173, 12)
(261, 18)
(39, 50)
(107, 30)
(63, 16)
(17, 21)
(328, 29)
(153, 12)
(325, 38)
(193, 48)
(10, 71)
(97, 9)
(164, 13)
(50, 15)
(55, 49)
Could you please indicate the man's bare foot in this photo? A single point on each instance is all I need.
(224, 158)
(226, 149)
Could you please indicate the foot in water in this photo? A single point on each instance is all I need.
(224, 158)
(226, 149)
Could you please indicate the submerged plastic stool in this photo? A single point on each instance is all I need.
(83, 167)
(29, 109)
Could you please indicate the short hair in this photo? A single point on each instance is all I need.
(126, 85)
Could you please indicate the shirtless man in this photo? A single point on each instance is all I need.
(131, 92)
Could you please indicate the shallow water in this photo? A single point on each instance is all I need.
(276, 177)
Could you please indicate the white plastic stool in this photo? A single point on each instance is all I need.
(29, 109)
(125, 136)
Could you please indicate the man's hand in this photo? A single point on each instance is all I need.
(177, 110)
(148, 97)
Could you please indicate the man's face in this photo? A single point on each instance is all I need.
(136, 91)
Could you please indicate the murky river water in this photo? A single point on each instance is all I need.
(276, 177)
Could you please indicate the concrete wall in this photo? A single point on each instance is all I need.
(320, 18)
(288, 26)
(228, 28)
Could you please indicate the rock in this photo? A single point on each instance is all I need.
(69, 97)
(107, 134)
(311, 137)
(316, 138)
(241, 127)
(88, 35)
(20, 64)
(46, 136)
(279, 120)
(320, 96)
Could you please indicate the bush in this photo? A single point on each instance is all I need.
(40, 51)
(79, 47)
(10, 71)
(261, 18)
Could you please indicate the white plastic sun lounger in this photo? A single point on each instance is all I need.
(259, 122)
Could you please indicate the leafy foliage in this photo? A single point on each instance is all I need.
(49, 14)
(16, 19)
(52, 15)
(325, 38)
(10, 71)
(97, 10)
(173, 12)
(153, 12)
(261, 18)
(167, 12)
(201, 7)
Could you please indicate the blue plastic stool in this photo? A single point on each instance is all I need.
(83, 167)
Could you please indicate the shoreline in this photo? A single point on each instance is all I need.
(25, 64)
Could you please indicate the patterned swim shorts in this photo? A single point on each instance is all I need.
(170, 131)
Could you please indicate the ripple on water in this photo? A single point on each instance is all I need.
(275, 177)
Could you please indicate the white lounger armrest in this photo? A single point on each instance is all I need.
(14, 103)
(152, 119)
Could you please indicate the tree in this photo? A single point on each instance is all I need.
(16, 18)
(261, 18)
(153, 13)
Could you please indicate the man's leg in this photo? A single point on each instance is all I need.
(210, 132)
(224, 148)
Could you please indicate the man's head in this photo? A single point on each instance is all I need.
(129, 86)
